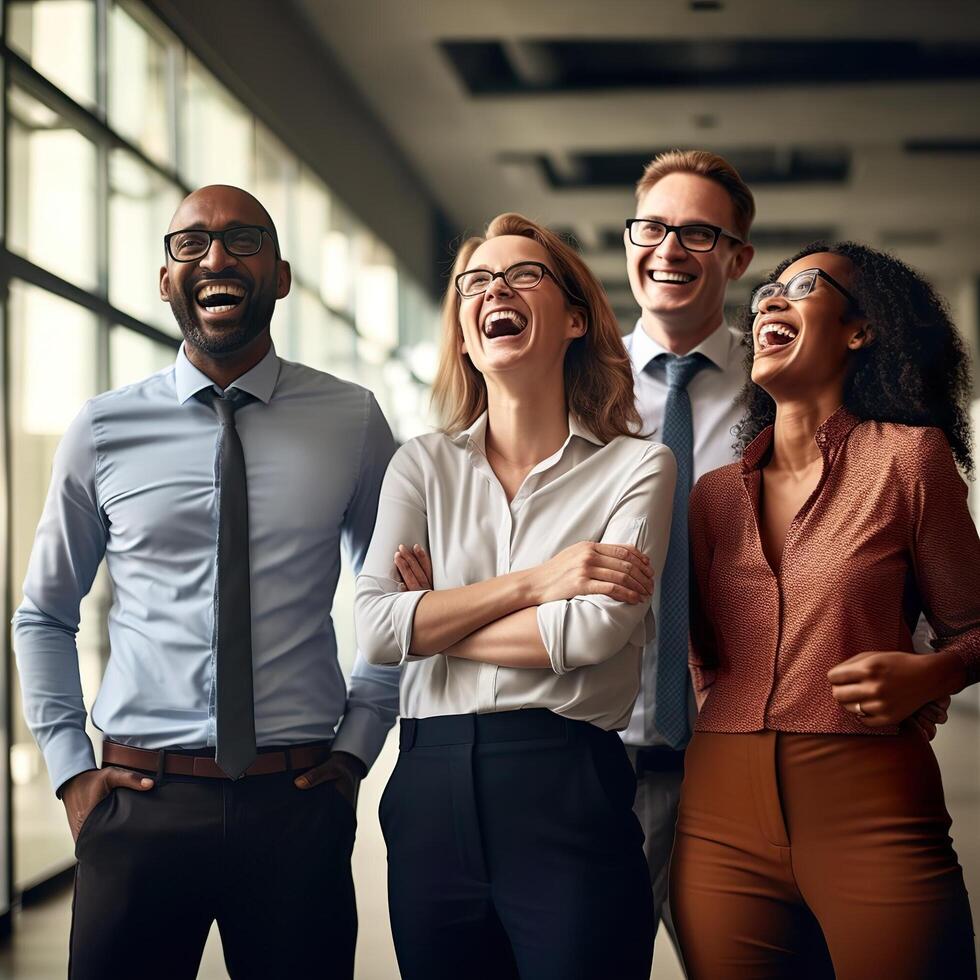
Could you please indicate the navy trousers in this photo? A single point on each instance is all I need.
(514, 852)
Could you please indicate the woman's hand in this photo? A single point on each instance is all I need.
(619, 571)
(884, 688)
(929, 717)
(415, 567)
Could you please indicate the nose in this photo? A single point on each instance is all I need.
(217, 258)
(671, 249)
(773, 303)
(498, 287)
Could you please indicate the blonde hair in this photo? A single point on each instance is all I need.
(598, 376)
(708, 165)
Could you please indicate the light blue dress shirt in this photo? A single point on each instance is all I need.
(134, 481)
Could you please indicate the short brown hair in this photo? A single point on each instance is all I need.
(598, 375)
(708, 165)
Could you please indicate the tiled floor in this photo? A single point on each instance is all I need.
(38, 950)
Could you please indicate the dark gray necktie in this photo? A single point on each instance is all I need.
(235, 748)
(678, 433)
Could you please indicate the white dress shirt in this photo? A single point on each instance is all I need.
(712, 391)
(441, 492)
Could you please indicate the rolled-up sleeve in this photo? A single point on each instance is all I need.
(589, 629)
(384, 615)
(946, 552)
(68, 548)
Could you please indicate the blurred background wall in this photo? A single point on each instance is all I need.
(379, 132)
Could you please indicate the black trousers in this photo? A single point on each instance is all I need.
(513, 851)
(268, 861)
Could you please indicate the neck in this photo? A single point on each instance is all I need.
(527, 425)
(679, 336)
(797, 421)
(223, 370)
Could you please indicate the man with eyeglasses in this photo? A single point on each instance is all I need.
(688, 240)
(219, 491)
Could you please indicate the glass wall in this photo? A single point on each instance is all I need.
(109, 120)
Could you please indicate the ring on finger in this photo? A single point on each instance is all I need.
(859, 712)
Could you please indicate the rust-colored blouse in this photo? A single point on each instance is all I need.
(886, 534)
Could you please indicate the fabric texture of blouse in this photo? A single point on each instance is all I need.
(441, 492)
(886, 534)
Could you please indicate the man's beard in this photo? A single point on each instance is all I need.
(220, 343)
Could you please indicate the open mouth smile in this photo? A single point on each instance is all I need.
(775, 335)
(220, 297)
(662, 277)
(504, 323)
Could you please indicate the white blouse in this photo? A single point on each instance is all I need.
(441, 492)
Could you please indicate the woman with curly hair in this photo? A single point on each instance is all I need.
(813, 837)
(511, 572)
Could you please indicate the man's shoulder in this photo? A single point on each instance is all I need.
(146, 391)
(301, 382)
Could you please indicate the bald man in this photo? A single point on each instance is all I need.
(218, 491)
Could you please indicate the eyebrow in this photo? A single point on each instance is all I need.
(664, 221)
(201, 226)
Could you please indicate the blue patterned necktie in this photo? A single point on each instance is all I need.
(671, 675)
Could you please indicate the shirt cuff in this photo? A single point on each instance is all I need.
(66, 754)
(551, 626)
(403, 621)
(362, 734)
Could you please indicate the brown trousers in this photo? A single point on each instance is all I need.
(815, 856)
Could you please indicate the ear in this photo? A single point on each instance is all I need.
(743, 258)
(579, 322)
(626, 238)
(164, 284)
(284, 279)
(862, 335)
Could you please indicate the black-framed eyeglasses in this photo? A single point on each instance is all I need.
(192, 244)
(799, 287)
(695, 238)
(521, 275)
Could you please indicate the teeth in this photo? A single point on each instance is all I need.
(784, 330)
(220, 309)
(228, 289)
(505, 315)
(659, 276)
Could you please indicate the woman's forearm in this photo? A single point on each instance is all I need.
(445, 617)
(511, 641)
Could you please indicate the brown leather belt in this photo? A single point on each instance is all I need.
(179, 764)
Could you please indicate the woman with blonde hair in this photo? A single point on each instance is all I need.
(510, 574)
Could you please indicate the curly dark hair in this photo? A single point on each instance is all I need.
(916, 371)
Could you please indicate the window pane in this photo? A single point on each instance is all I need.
(376, 296)
(312, 204)
(141, 204)
(337, 269)
(138, 105)
(53, 362)
(52, 217)
(275, 177)
(58, 38)
(216, 132)
(133, 357)
(304, 330)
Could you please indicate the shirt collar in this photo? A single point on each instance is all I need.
(716, 347)
(476, 434)
(260, 381)
(830, 434)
